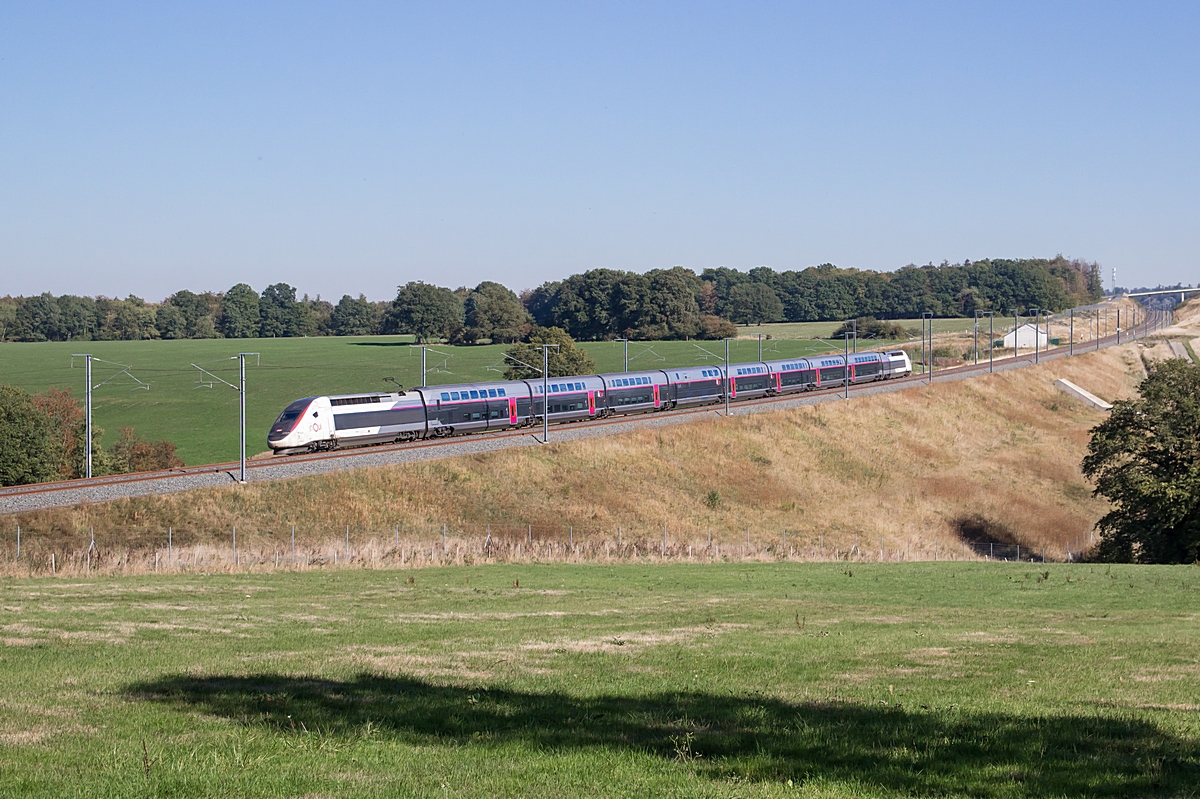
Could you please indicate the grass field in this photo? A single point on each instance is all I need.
(809, 330)
(971, 680)
(202, 421)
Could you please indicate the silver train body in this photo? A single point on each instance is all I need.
(315, 424)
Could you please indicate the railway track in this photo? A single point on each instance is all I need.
(102, 489)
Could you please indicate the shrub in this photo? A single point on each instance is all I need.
(869, 327)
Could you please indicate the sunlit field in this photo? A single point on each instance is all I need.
(180, 403)
(819, 680)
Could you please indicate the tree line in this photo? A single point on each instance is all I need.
(598, 304)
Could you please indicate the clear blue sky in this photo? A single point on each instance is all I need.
(351, 147)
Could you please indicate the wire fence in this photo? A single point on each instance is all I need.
(28, 552)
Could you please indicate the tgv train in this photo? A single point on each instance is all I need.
(316, 424)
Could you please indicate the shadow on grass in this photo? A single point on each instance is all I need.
(917, 751)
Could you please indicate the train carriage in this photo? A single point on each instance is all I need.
(796, 374)
(477, 406)
(635, 392)
(695, 385)
(750, 380)
(570, 398)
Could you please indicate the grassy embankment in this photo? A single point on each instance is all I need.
(902, 472)
(754, 680)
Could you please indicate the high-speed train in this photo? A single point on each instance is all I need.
(315, 424)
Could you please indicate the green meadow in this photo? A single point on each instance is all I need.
(739, 680)
(200, 414)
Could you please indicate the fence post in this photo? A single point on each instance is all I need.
(347, 543)
(529, 534)
(992, 551)
(18, 542)
(53, 568)
(170, 545)
(397, 536)
(618, 538)
(571, 536)
(443, 538)
(235, 545)
(664, 548)
(710, 536)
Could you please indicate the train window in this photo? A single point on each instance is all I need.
(494, 414)
(491, 392)
(475, 417)
(501, 391)
(554, 389)
(445, 395)
(474, 395)
(454, 395)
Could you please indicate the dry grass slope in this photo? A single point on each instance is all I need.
(907, 467)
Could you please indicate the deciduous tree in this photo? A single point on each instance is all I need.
(1145, 459)
(494, 312)
(28, 453)
(239, 312)
(525, 359)
(426, 311)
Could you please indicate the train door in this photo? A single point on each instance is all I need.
(512, 410)
(657, 401)
(591, 403)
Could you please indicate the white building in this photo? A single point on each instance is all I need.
(1025, 336)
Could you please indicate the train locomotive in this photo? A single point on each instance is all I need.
(317, 424)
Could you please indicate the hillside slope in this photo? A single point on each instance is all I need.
(999, 453)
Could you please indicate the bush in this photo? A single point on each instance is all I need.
(28, 452)
(131, 454)
(714, 328)
(871, 328)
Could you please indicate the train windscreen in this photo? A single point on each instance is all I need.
(287, 420)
